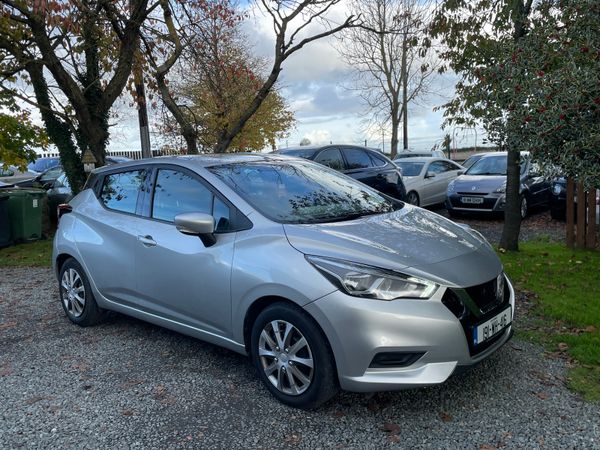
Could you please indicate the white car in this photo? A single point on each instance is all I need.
(426, 179)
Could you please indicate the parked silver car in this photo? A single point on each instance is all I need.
(323, 281)
(427, 179)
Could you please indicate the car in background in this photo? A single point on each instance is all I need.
(42, 164)
(558, 200)
(11, 174)
(419, 154)
(472, 159)
(323, 281)
(361, 163)
(482, 188)
(426, 179)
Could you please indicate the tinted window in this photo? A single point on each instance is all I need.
(378, 161)
(176, 192)
(301, 192)
(299, 152)
(331, 157)
(120, 190)
(357, 159)
(410, 169)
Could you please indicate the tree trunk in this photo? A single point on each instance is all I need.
(404, 70)
(512, 208)
(58, 131)
(395, 126)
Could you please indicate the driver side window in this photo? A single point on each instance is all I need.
(176, 192)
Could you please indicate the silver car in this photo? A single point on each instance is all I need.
(426, 179)
(323, 281)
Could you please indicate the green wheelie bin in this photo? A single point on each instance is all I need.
(25, 208)
(5, 239)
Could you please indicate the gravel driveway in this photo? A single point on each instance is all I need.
(128, 384)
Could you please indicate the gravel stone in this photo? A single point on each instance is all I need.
(126, 384)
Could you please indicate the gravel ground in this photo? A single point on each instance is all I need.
(128, 384)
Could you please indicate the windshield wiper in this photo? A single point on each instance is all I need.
(487, 173)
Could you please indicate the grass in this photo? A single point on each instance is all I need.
(31, 254)
(565, 285)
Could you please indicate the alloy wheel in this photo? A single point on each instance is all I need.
(73, 292)
(286, 357)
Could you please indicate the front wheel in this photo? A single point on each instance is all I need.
(292, 357)
(413, 198)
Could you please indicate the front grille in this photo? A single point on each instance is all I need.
(484, 297)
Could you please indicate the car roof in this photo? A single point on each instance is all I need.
(319, 147)
(423, 159)
(204, 160)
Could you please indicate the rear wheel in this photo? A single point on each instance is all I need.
(413, 198)
(292, 357)
(76, 295)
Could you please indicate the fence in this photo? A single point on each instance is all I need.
(582, 212)
(133, 154)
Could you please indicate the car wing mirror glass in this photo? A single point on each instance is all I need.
(197, 224)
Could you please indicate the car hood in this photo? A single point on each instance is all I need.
(478, 184)
(411, 240)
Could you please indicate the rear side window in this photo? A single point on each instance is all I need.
(357, 159)
(177, 192)
(120, 191)
(331, 157)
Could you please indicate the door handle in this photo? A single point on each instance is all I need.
(147, 241)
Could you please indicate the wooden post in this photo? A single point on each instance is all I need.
(570, 212)
(581, 207)
(590, 239)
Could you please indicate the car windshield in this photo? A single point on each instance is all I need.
(410, 169)
(492, 165)
(298, 192)
(42, 164)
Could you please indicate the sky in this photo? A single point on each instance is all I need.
(314, 83)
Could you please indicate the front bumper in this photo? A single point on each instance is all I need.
(359, 329)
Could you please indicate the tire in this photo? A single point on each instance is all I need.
(524, 207)
(286, 372)
(557, 214)
(76, 295)
(413, 198)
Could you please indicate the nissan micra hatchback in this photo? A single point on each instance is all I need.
(323, 281)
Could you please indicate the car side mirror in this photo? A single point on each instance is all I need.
(429, 174)
(50, 185)
(460, 172)
(197, 224)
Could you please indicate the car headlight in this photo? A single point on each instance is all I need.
(557, 188)
(360, 280)
(450, 187)
(501, 189)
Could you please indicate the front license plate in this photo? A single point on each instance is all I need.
(495, 325)
(472, 200)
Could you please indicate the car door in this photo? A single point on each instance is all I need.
(107, 231)
(178, 277)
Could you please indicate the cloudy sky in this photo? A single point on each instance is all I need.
(314, 83)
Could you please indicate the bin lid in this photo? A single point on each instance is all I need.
(22, 192)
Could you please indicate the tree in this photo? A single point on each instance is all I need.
(77, 56)
(19, 137)
(478, 35)
(207, 25)
(391, 60)
(305, 141)
(557, 107)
